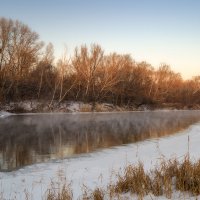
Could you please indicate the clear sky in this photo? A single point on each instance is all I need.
(157, 31)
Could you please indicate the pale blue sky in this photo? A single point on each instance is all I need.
(153, 30)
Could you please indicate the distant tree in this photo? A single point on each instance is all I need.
(86, 64)
(20, 50)
(111, 77)
(191, 91)
(20, 47)
(27, 71)
(45, 66)
(166, 84)
(64, 72)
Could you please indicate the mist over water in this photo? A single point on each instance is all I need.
(34, 138)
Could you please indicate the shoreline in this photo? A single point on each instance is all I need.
(147, 152)
(35, 106)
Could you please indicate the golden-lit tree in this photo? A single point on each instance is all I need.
(20, 49)
(19, 46)
(86, 64)
(167, 84)
(45, 66)
(28, 71)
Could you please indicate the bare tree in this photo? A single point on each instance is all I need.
(19, 46)
(86, 65)
(64, 72)
(45, 64)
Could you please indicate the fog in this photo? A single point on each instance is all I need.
(32, 138)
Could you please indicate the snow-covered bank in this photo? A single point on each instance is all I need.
(36, 106)
(66, 106)
(95, 169)
(4, 114)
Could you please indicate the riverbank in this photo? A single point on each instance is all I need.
(89, 171)
(78, 106)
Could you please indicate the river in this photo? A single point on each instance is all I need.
(27, 139)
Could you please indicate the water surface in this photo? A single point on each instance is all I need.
(33, 138)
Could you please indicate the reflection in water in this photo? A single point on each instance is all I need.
(28, 139)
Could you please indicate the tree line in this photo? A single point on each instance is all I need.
(28, 70)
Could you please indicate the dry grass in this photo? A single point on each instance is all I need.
(188, 177)
(89, 108)
(96, 194)
(99, 108)
(169, 176)
(165, 179)
(85, 108)
(162, 178)
(59, 192)
(134, 180)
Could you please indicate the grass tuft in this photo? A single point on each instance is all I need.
(63, 192)
(170, 176)
(134, 180)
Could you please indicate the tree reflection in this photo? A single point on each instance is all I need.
(28, 139)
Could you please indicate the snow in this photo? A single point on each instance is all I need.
(74, 106)
(4, 114)
(98, 168)
(65, 106)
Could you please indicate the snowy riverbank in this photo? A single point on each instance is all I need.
(55, 106)
(96, 169)
(35, 106)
